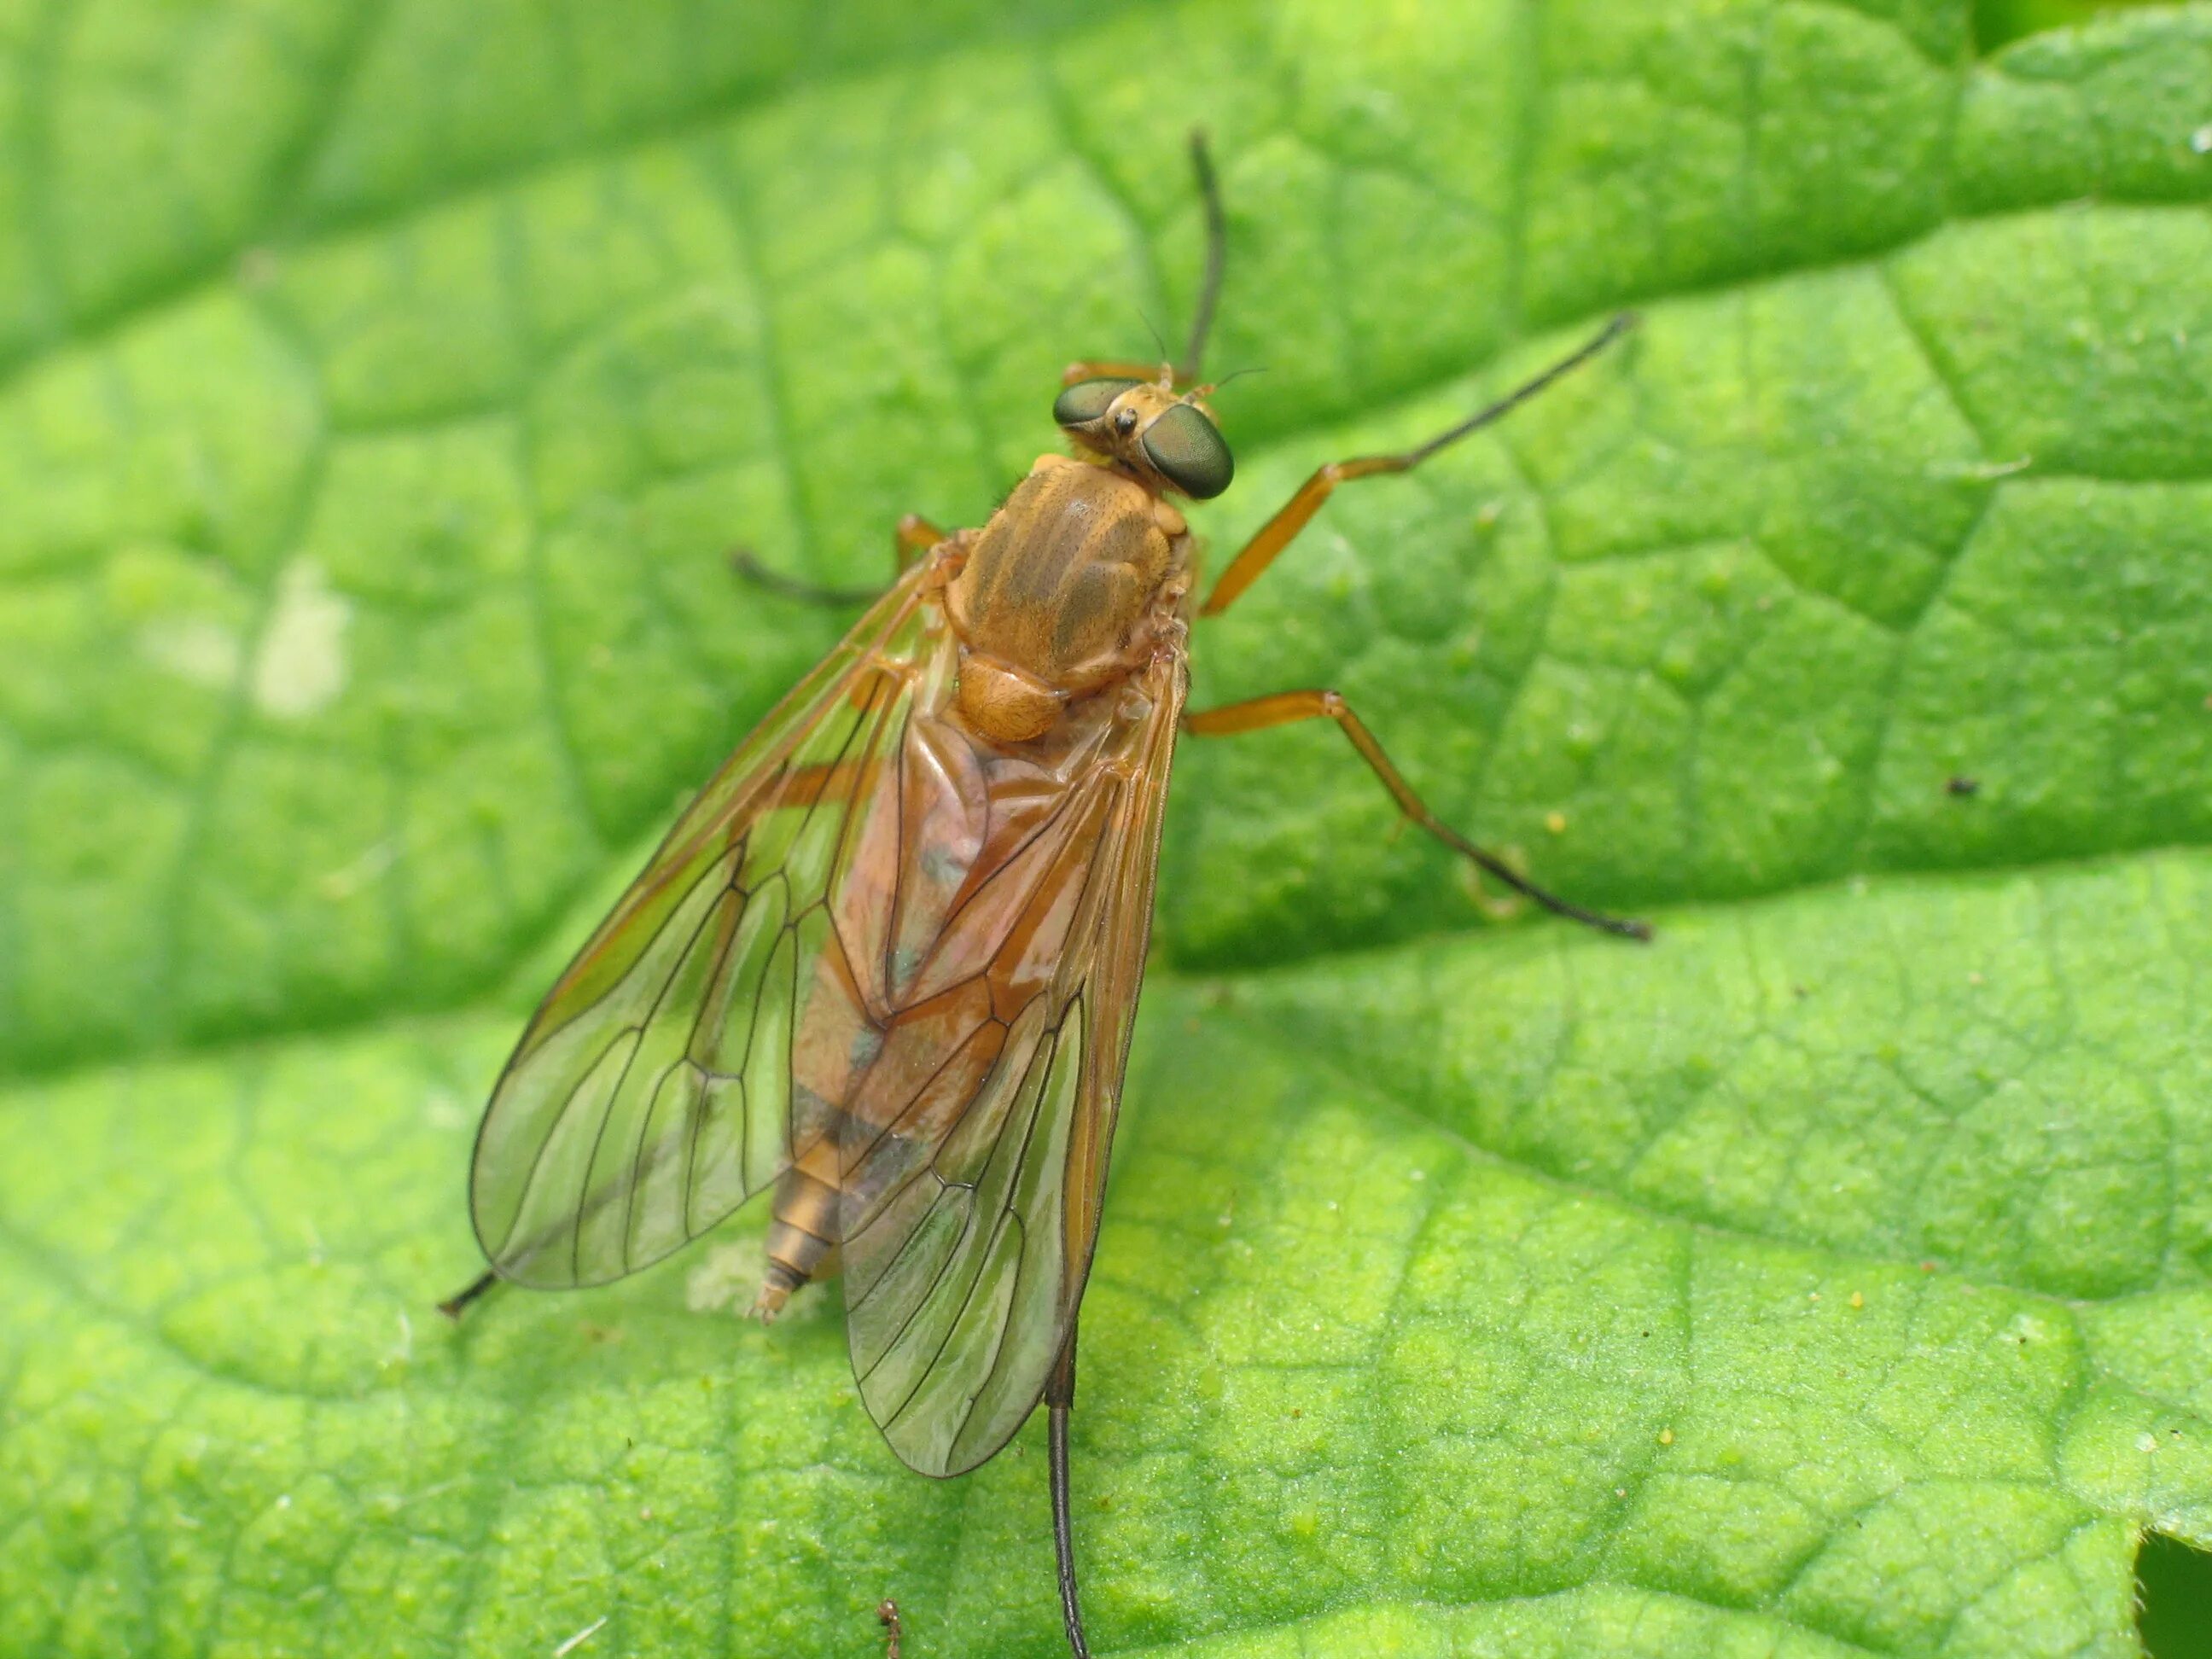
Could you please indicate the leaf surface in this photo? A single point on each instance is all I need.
(380, 390)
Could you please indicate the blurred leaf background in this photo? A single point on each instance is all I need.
(379, 390)
(2000, 22)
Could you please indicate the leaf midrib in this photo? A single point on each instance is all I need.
(558, 917)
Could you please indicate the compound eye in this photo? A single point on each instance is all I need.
(1190, 453)
(1087, 401)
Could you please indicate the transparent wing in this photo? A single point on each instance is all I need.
(650, 1095)
(969, 1215)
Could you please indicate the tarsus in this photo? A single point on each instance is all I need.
(1059, 1400)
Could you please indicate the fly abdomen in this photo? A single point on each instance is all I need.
(803, 1232)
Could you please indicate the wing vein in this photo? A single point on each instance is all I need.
(584, 1206)
(998, 1226)
(660, 979)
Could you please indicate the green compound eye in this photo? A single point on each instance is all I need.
(1190, 453)
(1087, 401)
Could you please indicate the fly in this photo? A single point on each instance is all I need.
(885, 965)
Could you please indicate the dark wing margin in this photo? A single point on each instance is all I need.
(650, 1094)
(963, 1277)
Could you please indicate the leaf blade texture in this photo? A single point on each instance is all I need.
(380, 390)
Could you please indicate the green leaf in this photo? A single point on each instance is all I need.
(380, 390)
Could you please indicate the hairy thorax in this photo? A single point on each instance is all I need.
(1058, 593)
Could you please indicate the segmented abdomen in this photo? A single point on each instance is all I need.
(948, 923)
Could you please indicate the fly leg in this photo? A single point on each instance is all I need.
(914, 536)
(1058, 1400)
(1285, 708)
(455, 1305)
(1276, 534)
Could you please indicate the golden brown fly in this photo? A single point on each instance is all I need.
(885, 965)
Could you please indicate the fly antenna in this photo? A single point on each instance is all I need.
(1217, 256)
(1154, 329)
(1239, 374)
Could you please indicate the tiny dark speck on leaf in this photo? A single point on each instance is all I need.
(1960, 785)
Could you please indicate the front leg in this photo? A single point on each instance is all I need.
(1272, 536)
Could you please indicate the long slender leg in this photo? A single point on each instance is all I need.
(1276, 534)
(914, 536)
(1285, 707)
(1059, 1400)
(455, 1305)
(747, 564)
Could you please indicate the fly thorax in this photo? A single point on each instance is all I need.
(1004, 704)
(1055, 588)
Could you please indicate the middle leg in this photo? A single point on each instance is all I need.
(1285, 708)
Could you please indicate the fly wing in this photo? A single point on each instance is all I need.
(650, 1094)
(969, 1216)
